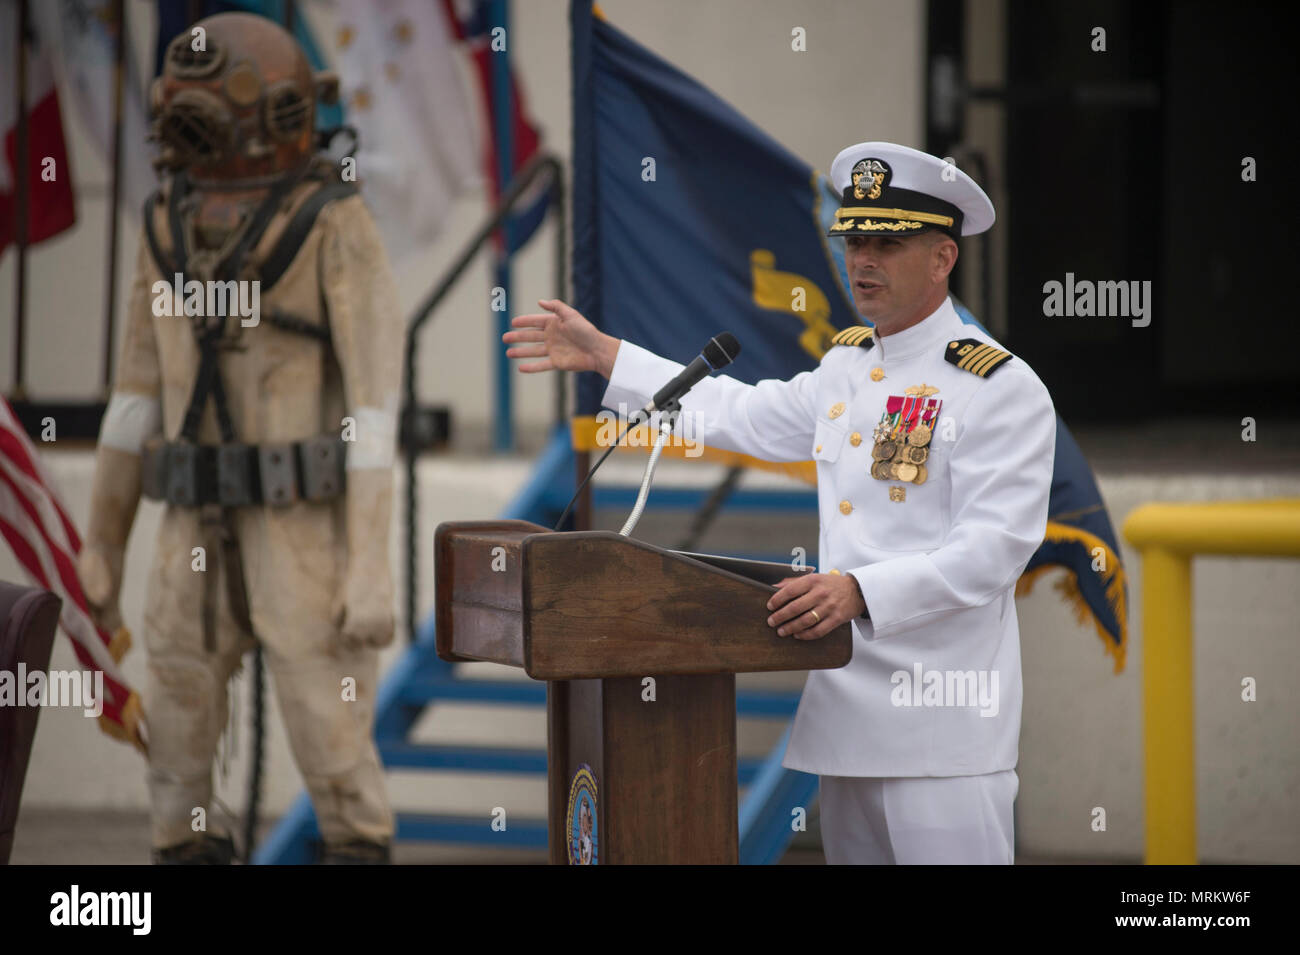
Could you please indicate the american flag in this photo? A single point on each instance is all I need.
(46, 543)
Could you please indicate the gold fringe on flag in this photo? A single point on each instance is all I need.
(132, 724)
(1113, 577)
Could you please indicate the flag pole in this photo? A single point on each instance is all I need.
(499, 15)
(114, 192)
(20, 204)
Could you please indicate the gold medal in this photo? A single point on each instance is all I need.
(917, 455)
(884, 450)
(905, 470)
(919, 436)
(921, 474)
(880, 471)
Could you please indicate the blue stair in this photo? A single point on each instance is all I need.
(420, 679)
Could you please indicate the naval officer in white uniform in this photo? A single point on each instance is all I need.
(934, 451)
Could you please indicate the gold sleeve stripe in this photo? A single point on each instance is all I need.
(853, 336)
(993, 363)
(977, 357)
(973, 356)
(985, 364)
(981, 366)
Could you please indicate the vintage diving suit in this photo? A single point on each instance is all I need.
(260, 404)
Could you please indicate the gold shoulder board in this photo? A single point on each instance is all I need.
(975, 356)
(857, 335)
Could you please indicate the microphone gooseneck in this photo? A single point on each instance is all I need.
(720, 351)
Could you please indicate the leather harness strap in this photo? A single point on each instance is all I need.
(218, 521)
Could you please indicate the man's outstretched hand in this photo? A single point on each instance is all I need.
(562, 339)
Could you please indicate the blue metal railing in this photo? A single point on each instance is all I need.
(420, 678)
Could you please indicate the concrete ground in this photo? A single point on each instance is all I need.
(74, 837)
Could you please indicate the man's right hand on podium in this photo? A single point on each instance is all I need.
(562, 339)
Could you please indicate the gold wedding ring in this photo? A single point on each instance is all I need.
(815, 617)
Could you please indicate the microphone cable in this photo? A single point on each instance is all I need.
(632, 422)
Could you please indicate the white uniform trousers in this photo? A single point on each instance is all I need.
(954, 820)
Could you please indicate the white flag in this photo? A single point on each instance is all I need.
(85, 56)
(403, 90)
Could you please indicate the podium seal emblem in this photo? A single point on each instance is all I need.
(583, 826)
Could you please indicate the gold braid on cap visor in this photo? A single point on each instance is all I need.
(930, 217)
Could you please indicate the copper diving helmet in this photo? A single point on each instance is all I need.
(236, 101)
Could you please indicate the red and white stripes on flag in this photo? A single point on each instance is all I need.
(46, 544)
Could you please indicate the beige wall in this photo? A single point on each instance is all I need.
(739, 48)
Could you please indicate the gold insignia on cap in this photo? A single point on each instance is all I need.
(933, 218)
(868, 178)
(837, 409)
(869, 225)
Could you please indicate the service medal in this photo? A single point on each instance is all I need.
(921, 474)
(903, 435)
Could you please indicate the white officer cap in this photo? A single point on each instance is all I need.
(895, 190)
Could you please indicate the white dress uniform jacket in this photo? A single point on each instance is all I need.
(937, 569)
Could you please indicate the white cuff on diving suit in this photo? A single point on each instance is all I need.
(129, 421)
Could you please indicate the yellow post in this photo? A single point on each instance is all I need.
(1168, 708)
(1168, 536)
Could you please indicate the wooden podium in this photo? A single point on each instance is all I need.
(640, 647)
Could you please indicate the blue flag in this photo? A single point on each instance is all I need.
(689, 220)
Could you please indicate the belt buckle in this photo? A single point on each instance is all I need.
(322, 468)
(279, 478)
(182, 470)
(236, 475)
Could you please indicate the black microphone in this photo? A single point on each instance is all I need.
(718, 353)
(721, 351)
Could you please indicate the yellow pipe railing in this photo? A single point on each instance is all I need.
(1168, 536)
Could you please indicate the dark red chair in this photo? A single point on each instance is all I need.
(28, 617)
